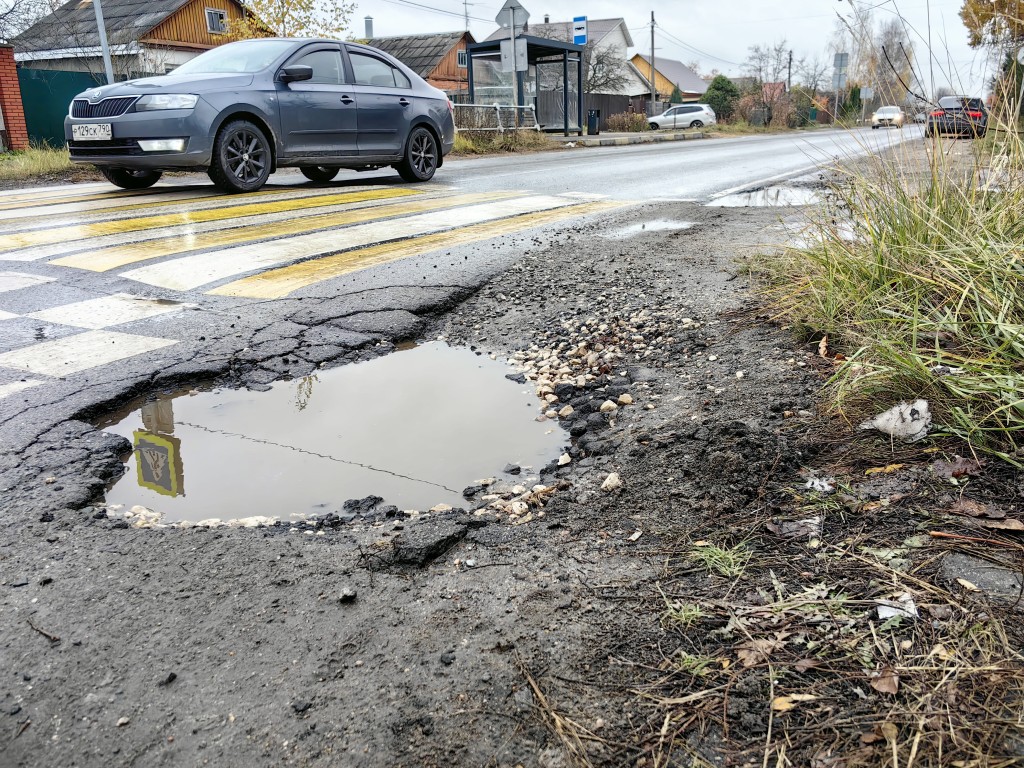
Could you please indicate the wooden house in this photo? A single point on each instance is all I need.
(439, 59)
(668, 75)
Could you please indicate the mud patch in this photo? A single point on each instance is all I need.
(414, 427)
(769, 197)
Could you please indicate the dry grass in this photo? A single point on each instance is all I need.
(469, 143)
(33, 163)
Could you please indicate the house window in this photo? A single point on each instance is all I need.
(215, 21)
(168, 68)
(463, 59)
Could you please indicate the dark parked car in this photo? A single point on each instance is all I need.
(960, 115)
(242, 110)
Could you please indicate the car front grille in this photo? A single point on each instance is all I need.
(112, 148)
(111, 107)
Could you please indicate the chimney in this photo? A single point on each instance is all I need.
(369, 27)
(547, 19)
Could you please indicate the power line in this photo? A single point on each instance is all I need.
(438, 10)
(698, 51)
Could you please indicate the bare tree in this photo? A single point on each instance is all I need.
(769, 66)
(18, 15)
(604, 66)
(813, 74)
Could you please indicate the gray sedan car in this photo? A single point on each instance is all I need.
(245, 109)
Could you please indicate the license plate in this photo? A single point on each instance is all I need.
(91, 132)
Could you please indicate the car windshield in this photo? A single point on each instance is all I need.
(887, 111)
(960, 102)
(243, 57)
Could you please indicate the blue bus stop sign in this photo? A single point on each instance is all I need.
(579, 30)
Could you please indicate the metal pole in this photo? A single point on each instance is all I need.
(579, 94)
(512, 40)
(654, 88)
(565, 91)
(103, 41)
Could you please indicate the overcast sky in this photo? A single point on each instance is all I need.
(717, 33)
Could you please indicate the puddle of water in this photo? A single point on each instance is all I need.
(660, 225)
(415, 427)
(769, 197)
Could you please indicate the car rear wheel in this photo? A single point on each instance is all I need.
(321, 173)
(697, 124)
(126, 178)
(421, 156)
(241, 158)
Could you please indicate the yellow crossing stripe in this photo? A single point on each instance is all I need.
(13, 242)
(113, 257)
(278, 283)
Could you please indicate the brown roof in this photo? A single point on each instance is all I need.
(420, 53)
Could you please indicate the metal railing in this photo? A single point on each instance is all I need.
(495, 117)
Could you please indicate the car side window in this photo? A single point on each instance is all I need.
(369, 70)
(326, 66)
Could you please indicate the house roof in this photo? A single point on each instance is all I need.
(674, 71)
(597, 30)
(421, 53)
(74, 24)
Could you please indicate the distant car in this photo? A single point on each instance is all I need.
(921, 117)
(684, 116)
(959, 115)
(242, 110)
(888, 116)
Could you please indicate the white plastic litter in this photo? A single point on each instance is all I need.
(908, 422)
(821, 484)
(903, 606)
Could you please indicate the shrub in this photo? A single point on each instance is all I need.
(628, 122)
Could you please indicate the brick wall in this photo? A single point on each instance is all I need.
(16, 134)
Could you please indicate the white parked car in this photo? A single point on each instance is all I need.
(684, 116)
(888, 116)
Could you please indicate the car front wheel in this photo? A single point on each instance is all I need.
(421, 156)
(321, 173)
(241, 158)
(127, 178)
(655, 126)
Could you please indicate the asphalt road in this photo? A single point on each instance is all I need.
(102, 289)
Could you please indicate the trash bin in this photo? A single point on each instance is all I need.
(593, 122)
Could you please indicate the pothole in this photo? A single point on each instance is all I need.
(415, 427)
(769, 197)
(660, 225)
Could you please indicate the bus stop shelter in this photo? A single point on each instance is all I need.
(542, 55)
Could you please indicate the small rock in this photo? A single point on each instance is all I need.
(564, 459)
(512, 469)
(122, 722)
(566, 412)
(441, 508)
(347, 595)
(626, 399)
(171, 677)
(612, 482)
(448, 658)
(608, 407)
(300, 706)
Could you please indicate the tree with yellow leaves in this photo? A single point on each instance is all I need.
(991, 22)
(293, 18)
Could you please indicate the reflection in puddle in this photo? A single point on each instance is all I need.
(415, 427)
(660, 225)
(768, 197)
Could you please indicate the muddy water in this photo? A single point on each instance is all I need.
(659, 225)
(416, 427)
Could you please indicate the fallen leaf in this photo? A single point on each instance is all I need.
(976, 509)
(890, 731)
(1004, 525)
(940, 650)
(886, 681)
(755, 651)
(970, 587)
(888, 469)
(804, 664)
(823, 347)
(786, 703)
(958, 467)
(872, 737)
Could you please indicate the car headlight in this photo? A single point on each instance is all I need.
(166, 101)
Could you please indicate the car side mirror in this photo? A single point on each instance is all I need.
(295, 73)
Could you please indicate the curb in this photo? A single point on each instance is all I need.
(622, 141)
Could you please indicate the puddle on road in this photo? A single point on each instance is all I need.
(769, 197)
(661, 225)
(416, 427)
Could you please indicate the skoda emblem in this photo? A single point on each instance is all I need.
(93, 95)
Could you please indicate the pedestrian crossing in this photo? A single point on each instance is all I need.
(194, 242)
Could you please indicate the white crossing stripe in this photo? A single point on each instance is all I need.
(107, 311)
(71, 354)
(190, 272)
(7, 315)
(13, 281)
(6, 390)
(41, 209)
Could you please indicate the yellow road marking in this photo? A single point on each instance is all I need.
(13, 242)
(278, 283)
(118, 256)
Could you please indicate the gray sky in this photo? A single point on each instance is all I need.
(717, 33)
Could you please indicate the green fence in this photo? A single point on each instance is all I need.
(46, 95)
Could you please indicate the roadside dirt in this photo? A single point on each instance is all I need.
(692, 616)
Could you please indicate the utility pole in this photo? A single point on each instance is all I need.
(465, 12)
(654, 87)
(789, 76)
(101, 28)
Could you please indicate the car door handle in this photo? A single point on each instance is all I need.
(347, 99)
(403, 101)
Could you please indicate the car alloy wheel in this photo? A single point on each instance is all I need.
(131, 178)
(697, 124)
(421, 156)
(319, 173)
(241, 161)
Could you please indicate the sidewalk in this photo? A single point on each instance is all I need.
(620, 139)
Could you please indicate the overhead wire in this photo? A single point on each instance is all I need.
(437, 10)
